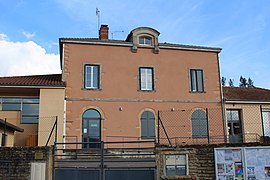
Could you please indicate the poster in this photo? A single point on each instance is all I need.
(239, 171)
(267, 171)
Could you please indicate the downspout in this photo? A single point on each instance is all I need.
(64, 123)
(222, 103)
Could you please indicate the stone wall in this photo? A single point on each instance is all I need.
(15, 162)
(201, 160)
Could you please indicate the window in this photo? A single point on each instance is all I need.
(196, 78)
(146, 79)
(91, 76)
(29, 108)
(147, 125)
(266, 121)
(199, 124)
(176, 165)
(145, 40)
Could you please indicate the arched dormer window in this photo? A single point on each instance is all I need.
(145, 40)
(144, 37)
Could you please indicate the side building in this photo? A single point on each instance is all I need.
(248, 114)
(30, 105)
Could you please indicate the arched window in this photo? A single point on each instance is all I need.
(199, 124)
(91, 131)
(147, 125)
(145, 40)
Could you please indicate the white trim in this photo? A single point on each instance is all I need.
(247, 102)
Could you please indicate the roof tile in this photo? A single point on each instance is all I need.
(246, 94)
(54, 80)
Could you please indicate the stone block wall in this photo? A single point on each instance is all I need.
(201, 160)
(15, 162)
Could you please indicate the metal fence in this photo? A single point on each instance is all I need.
(210, 126)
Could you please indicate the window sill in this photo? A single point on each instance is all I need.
(91, 89)
(148, 138)
(197, 92)
(146, 90)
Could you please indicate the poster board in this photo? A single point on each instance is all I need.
(229, 164)
(257, 160)
(239, 163)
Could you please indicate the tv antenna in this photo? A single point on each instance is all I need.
(98, 16)
(113, 32)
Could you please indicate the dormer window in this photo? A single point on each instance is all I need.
(144, 37)
(145, 40)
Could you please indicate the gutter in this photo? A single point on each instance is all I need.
(246, 102)
(35, 87)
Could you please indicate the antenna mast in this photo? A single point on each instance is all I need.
(98, 15)
(113, 32)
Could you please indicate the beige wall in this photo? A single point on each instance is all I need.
(9, 137)
(51, 105)
(120, 84)
(250, 119)
(14, 117)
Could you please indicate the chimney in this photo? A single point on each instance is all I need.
(104, 32)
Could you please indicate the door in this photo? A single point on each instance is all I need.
(91, 132)
(234, 126)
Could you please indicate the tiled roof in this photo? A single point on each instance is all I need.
(246, 94)
(10, 126)
(54, 80)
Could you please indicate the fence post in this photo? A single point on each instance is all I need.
(4, 134)
(56, 123)
(264, 139)
(158, 136)
(161, 123)
(101, 160)
(207, 118)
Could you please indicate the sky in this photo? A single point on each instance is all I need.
(30, 30)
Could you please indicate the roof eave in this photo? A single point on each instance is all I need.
(33, 87)
(246, 102)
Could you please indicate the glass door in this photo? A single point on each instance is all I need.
(91, 132)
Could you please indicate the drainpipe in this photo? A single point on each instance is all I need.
(64, 123)
(222, 103)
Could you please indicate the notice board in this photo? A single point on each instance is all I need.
(241, 163)
(257, 163)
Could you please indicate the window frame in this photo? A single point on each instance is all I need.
(266, 130)
(92, 78)
(146, 81)
(148, 136)
(175, 165)
(145, 38)
(196, 85)
(22, 101)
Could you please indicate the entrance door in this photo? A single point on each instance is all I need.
(91, 132)
(234, 126)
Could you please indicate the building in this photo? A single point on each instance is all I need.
(7, 131)
(32, 104)
(248, 114)
(116, 88)
(117, 95)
